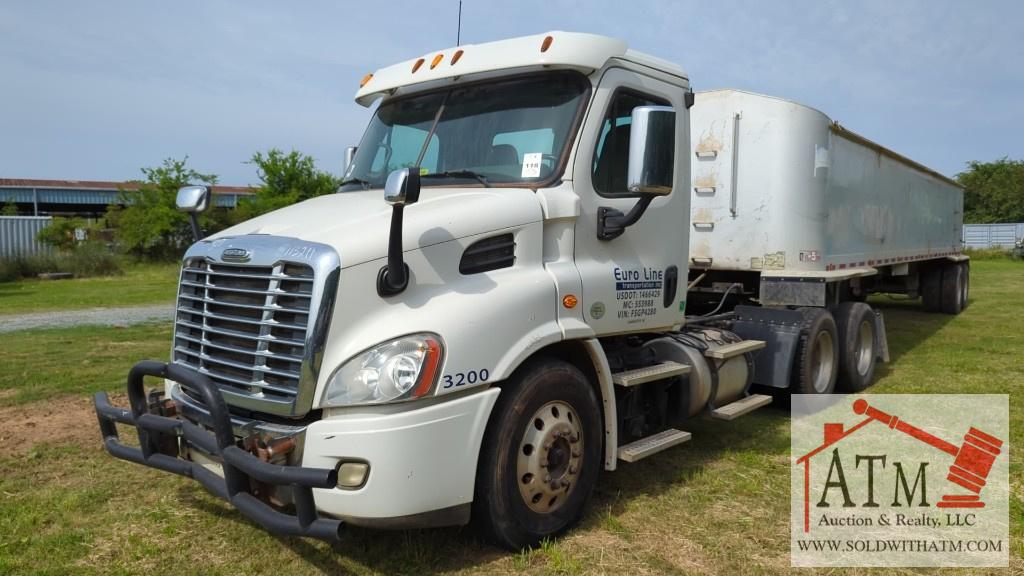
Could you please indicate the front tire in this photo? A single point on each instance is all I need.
(541, 455)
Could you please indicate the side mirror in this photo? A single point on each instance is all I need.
(193, 199)
(350, 155)
(652, 143)
(402, 187)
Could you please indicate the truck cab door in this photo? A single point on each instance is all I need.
(637, 281)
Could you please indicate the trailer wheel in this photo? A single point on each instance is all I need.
(965, 299)
(541, 455)
(952, 289)
(817, 355)
(855, 323)
(931, 289)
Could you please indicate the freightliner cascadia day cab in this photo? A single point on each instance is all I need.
(493, 307)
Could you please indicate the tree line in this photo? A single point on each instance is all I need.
(145, 222)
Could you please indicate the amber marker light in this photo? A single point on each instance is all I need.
(455, 57)
(437, 60)
(429, 371)
(417, 65)
(570, 301)
(546, 43)
(366, 80)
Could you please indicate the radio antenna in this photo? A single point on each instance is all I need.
(458, 31)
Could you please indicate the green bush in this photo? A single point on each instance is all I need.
(86, 260)
(989, 253)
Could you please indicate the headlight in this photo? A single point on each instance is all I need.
(401, 369)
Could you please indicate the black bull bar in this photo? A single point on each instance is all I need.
(241, 468)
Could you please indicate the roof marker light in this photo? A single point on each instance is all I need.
(366, 80)
(546, 43)
(417, 65)
(437, 60)
(455, 57)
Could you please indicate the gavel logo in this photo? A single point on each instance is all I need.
(972, 460)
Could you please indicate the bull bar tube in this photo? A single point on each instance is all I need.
(240, 467)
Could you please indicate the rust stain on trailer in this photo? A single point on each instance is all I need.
(709, 180)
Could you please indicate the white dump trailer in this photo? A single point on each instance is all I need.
(791, 209)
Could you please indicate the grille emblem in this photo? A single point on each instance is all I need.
(236, 255)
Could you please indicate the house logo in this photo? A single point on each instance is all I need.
(900, 480)
(236, 255)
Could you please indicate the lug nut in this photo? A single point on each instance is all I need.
(547, 478)
(565, 483)
(575, 453)
(573, 469)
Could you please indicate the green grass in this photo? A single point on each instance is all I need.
(140, 284)
(719, 504)
(41, 364)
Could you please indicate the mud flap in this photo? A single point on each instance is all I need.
(881, 340)
(780, 330)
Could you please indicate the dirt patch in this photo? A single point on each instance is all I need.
(63, 420)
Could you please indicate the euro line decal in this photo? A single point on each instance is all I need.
(637, 292)
(900, 480)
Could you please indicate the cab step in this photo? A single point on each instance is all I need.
(650, 374)
(645, 447)
(741, 407)
(735, 349)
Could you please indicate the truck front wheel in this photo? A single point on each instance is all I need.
(540, 457)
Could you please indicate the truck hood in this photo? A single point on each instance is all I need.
(357, 224)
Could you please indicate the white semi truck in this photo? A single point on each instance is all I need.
(493, 307)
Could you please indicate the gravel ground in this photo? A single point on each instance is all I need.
(93, 316)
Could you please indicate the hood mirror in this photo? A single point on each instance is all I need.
(193, 200)
(401, 190)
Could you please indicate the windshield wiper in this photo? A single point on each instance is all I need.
(459, 174)
(360, 181)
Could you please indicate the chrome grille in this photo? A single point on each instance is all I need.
(245, 326)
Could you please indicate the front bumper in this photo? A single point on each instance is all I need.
(162, 438)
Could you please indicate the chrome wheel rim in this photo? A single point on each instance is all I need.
(865, 347)
(822, 361)
(549, 457)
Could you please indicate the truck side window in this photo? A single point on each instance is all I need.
(611, 156)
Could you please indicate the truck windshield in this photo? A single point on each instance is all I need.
(511, 132)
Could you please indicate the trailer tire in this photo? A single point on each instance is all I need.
(952, 289)
(931, 289)
(965, 300)
(817, 355)
(855, 323)
(529, 449)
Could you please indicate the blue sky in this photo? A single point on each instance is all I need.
(96, 90)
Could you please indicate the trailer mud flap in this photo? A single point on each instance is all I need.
(881, 340)
(780, 329)
(159, 438)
